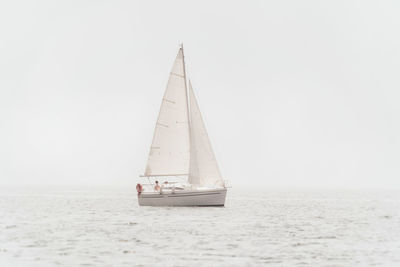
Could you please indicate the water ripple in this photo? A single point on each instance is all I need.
(106, 227)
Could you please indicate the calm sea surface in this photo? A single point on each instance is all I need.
(106, 227)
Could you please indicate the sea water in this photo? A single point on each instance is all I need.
(83, 226)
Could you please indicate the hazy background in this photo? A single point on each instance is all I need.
(293, 93)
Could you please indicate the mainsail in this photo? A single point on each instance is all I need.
(203, 169)
(169, 152)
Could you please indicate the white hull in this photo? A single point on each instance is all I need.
(208, 197)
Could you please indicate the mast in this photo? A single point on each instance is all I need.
(187, 101)
(186, 88)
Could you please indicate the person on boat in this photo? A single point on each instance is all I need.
(157, 187)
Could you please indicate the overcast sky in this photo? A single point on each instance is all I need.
(293, 93)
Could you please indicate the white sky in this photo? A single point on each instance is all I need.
(293, 93)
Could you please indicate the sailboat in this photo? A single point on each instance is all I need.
(181, 149)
